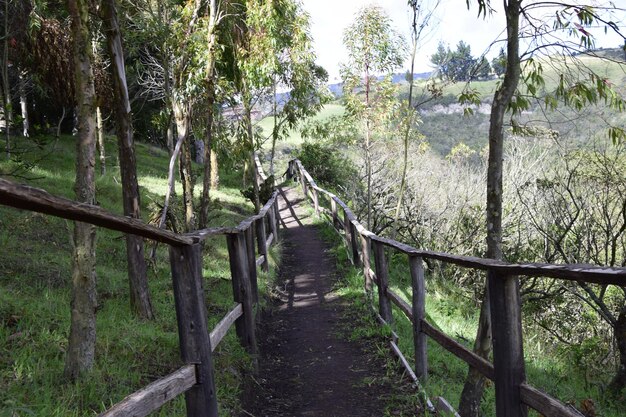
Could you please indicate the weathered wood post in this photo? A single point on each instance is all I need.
(508, 352)
(316, 202)
(261, 241)
(193, 332)
(273, 223)
(365, 250)
(276, 219)
(382, 275)
(242, 289)
(305, 190)
(354, 243)
(333, 209)
(419, 314)
(346, 228)
(254, 284)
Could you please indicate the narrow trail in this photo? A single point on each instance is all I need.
(307, 366)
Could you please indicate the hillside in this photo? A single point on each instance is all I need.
(35, 293)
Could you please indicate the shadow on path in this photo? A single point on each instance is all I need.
(307, 367)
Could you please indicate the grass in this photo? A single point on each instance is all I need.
(35, 282)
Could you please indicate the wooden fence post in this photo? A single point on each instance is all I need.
(354, 242)
(382, 274)
(254, 284)
(508, 352)
(333, 209)
(419, 314)
(316, 202)
(242, 289)
(193, 332)
(346, 228)
(365, 250)
(261, 240)
(305, 190)
(276, 219)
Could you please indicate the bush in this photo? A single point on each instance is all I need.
(326, 165)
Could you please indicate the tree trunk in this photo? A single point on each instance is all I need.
(100, 143)
(139, 291)
(215, 173)
(24, 103)
(407, 132)
(618, 383)
(368, 150)
(82, 341)
(274, 131)
(248, 122)
(469, 405)
(181, 116)
(8, 114)
(206, 179)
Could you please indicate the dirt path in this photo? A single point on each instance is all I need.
(307, 367)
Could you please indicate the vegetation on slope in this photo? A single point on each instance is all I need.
(35, 294)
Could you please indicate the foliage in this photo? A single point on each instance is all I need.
(459, 65)
(265, 190)
(327, 165)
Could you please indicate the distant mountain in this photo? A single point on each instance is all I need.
(397, 78)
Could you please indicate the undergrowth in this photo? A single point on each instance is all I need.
(35, 284)
(450, 312)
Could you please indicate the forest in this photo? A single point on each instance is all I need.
(156, 110)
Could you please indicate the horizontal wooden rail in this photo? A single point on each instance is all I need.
(545, 404)
(402, 305)
(153, 396)
(200, 235)
(501, 275)
(219, 331)
(35, 199)
(587, 273)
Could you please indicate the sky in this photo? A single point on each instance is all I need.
(453, 23)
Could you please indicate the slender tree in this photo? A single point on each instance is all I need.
(139, 292)
(82, 341)
(421, 19)
(373, 48)
(508, 96)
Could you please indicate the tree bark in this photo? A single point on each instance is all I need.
(618, 383)
(215, 173)
(248, 122)
(24, 103)
(206, 180)
(140, 302)
(181, 116)
(100, 143)
(82, 341)
(469, 405)
(8, 114)
(208, 139)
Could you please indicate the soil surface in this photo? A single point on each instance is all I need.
(307, 366)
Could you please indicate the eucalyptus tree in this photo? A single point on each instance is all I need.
(421, 17)
(82, 341)
(137, 274)
(374, 48)
(273, 47)
(297, 74)
(576, 86)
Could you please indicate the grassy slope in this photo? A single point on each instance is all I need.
(35, 297)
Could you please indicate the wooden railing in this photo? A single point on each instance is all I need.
(196, 378)
(513, 394)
